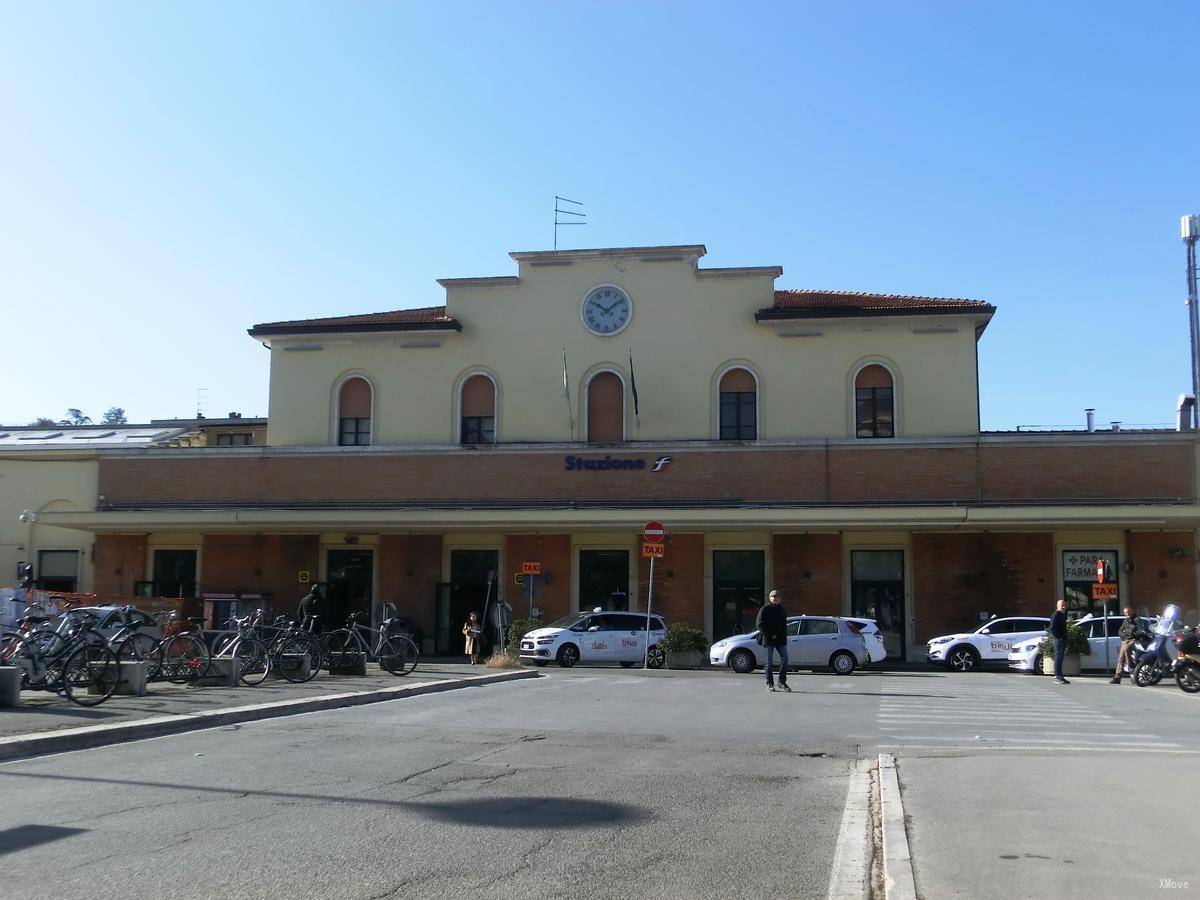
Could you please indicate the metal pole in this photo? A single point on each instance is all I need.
(1194, 327)
(1106, 624)
(649, 607)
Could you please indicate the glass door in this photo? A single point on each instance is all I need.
(174, 573)
(877, 592)
(604, 579)
(349, 586)
(472, 590)
(738, 591)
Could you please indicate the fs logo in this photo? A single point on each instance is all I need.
(661, 463)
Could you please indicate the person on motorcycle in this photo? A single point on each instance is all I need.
(1128, 632)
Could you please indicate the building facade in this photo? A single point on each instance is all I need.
(826, 444)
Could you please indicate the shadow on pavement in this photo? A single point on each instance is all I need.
(500, 812)
(532, 812)
(25, 836)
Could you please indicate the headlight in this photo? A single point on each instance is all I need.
(721, 643)
(542, 642)
(937, 641)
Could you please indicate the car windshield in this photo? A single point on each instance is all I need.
(567, 621)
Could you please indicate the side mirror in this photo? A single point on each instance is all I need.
(985, 631)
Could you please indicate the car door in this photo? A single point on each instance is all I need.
(629, 642)
(793, 642)
(597, 640)
(996, 640)
(1102, 656)
(818, 639)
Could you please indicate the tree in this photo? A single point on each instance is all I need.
(75, 417)
(114, 415)
(43, 422)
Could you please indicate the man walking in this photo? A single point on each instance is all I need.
(1058, 631)
(1128, 632)
(772, 631)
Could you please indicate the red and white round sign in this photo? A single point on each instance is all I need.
(654, 532)
(1100, 571)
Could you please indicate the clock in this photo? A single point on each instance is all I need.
(606, 309)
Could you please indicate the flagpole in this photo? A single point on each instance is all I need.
(637, 415)
(567, 397)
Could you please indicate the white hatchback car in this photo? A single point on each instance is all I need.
(872, 637)
(813, 642)
(598, 636)
(1026, 656)
(990, 643)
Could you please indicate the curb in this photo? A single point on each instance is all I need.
(898, 881)
(43, 742)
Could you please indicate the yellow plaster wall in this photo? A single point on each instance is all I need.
(44, 485)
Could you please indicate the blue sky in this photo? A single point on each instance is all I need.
(174, 173)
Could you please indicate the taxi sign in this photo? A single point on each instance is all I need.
(1104, 591)
(654, 532)
(653, 551)
(531, 568)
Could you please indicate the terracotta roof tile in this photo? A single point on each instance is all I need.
(426, 318)
(815, 304)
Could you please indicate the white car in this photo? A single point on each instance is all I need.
(598, 636)
(1026, 656)
(990, 643)
(813, 642)
(872, 637)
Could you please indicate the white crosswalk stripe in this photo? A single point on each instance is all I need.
(968, 713)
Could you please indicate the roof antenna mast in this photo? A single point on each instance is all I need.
(559, 212)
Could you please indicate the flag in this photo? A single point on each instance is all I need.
(567, 394)
(633, 386)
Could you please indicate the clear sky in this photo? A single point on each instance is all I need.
(171, 174)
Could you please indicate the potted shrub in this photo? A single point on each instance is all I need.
(684, 646)
(1077, 646)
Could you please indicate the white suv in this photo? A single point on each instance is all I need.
(598, 636)
(990, 643)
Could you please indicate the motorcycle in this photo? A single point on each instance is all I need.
(1155, 661)
(1187, 661)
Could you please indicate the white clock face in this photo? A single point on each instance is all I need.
(606, 309)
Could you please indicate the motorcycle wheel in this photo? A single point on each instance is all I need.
(1143, 674)
(1188, 679)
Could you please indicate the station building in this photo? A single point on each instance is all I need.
(823, 443)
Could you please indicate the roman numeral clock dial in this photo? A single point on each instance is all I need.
(606, 310)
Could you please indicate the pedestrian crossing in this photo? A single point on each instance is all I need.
(960, 712)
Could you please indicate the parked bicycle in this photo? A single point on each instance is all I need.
(295, 653)
(131, 644)
(253, 660)
(74, 660)
(395, 653)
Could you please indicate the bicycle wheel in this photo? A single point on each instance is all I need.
(340, 647)
(142, 648)
(254, 663)
(184, 657)
(297, 658)
(90, 675)
(398, 655)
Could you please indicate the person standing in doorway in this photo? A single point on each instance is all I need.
(1128, 632)
(772, 634)
(1058, 631)
(474, 636)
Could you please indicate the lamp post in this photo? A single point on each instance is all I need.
(1189, 228)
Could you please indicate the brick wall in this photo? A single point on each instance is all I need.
(120, 561)
(958, 576)
(1160, 575)
(553, 551)
(410, 567)
(679, 588)
(260, 563)
(808, 570)
(834, 474)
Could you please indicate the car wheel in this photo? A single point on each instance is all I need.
(1037, 665)
(656, 658)
(626, 664)
(568, 655)
(842, 662)
(742, 662)
(962, 659)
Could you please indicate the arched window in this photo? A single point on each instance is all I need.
(739, 406)
(354, 413)
(478, 425)
(874, 403)
(606, 408)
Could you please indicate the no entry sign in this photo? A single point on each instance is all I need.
(654, 532)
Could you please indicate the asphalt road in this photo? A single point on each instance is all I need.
(607, 783)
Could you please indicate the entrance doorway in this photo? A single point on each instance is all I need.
(877, 592)
(472, 587)
(604, 579)
(738, 585)
(174, 573)
(348, 586)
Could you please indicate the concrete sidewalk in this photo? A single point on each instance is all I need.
(46, 723)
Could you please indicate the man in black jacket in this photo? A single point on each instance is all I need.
(1058, 631)
(1128, 632)
(772, 630)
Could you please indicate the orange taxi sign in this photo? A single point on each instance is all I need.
(1104, 591)
(653, 551)
(531, 568)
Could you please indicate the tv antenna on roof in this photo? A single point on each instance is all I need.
(201, 398)
(559, 212)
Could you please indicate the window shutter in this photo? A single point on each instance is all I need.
(873, 377)
(478, 397)
(355, 400)
(606, 408)
(737, 380)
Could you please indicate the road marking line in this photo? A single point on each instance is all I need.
(1099, 748)
(850, 878)
(984, 741)
(898, 883)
